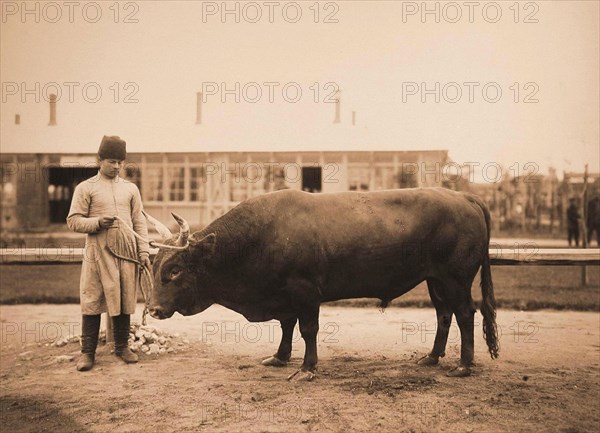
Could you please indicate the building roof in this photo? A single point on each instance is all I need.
(153, 128)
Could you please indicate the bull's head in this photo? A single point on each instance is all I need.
(177, 266)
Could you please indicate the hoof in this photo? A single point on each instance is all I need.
(302, 376)
(428, 360)
(273, 361)
(460, 371)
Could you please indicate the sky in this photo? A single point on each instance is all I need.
(149, 59)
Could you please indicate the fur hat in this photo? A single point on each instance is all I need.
(112, 147)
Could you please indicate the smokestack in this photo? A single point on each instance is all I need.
(353, 118)
(52, 110)
(17, 119)
(337, 107)
(199, 108)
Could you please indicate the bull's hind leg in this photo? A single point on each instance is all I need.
(464, 311)
(281, 358)
(309, 327)
(444, 320)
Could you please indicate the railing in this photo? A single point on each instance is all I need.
(522, 255)
(545, 257)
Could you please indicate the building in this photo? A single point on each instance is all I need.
(199, 173)
(37, 188)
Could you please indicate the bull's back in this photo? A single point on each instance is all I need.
(373, 219)
(375, 244)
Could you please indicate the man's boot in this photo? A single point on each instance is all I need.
(121, 334)
(90, 325)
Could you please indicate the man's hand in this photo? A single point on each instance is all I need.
(106, 221)
(145, 261)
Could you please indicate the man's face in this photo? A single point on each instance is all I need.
(110, 167)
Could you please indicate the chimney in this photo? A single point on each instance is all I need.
(17, 119)
(52, 110)
(337, 107)
(199, 108)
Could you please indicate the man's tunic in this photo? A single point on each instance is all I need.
(109, 273)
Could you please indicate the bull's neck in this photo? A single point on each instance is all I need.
(234, 237)
(233, 228)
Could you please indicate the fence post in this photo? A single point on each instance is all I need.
(584, 208)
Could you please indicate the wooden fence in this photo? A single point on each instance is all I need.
(527, 254)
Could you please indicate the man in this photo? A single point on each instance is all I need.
(573, 222)
(112, 255)
(593, 220)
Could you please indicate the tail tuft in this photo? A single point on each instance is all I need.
(488, 303)
(488, 308)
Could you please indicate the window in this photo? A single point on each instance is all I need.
(384, 178)
(312, 179)
(153, 189)
(176, 176)
(238, 191)
(358, 178)
(197, 184)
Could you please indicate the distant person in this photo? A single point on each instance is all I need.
(112, 254)
(593, 220)
(573, 217)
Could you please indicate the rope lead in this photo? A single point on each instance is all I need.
(147, 282)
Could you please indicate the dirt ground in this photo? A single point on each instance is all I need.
(547, 377)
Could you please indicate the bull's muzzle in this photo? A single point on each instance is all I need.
(159, 313)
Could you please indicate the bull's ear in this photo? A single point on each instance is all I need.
(205, 246)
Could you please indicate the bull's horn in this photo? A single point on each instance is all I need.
(162, 230)
(184, 230)
(168, 247)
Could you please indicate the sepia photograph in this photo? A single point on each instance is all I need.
(300, 216)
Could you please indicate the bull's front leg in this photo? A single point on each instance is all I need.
(281, 358)
(309, 327)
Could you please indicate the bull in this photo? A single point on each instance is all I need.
(280, 255)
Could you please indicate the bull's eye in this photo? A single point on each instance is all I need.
(175, 272)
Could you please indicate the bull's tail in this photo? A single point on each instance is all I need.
(488, 303)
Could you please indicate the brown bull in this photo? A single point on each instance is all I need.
(282, 254)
